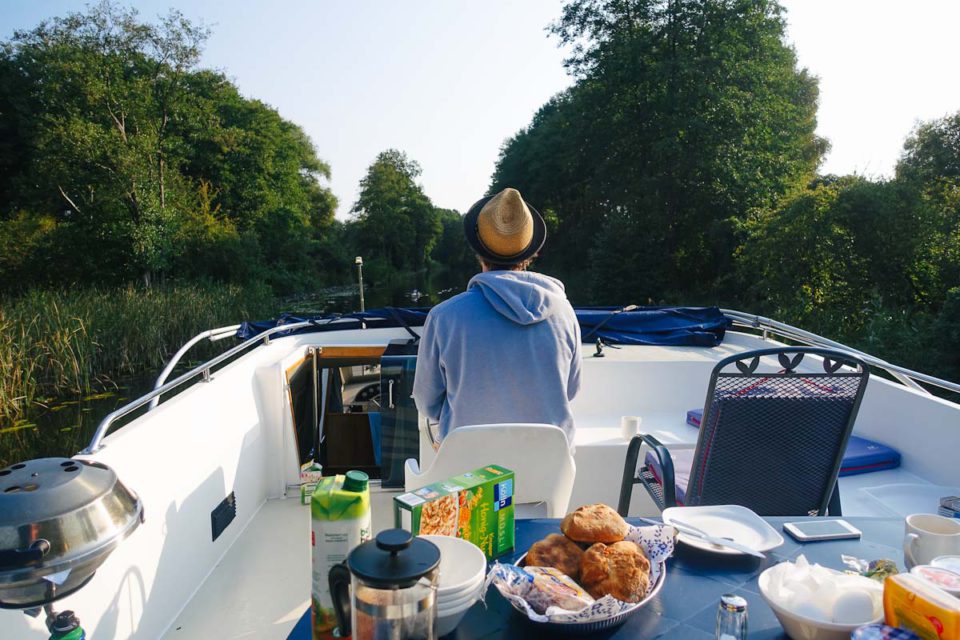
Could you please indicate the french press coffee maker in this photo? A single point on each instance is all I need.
(387, 588)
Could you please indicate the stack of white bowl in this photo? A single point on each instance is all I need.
(463, 568)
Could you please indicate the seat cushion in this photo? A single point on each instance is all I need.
(864, 456)
(682, 462)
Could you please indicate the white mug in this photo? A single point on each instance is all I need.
(929, 536)
(630, 426)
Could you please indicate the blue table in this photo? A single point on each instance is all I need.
(686, 606)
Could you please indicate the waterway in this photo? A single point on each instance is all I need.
(63, 426)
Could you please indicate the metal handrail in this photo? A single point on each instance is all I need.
(906, 376)
(203, 369)
(212, 334)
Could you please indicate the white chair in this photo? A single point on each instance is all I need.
(538, 454)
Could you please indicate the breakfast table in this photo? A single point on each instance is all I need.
(686, 606)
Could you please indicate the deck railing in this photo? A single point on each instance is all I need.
(768, 326)
(204, 369)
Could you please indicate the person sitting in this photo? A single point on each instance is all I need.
(508, 348)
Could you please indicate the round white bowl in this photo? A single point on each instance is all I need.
(453, 602)
(803, 628)
(462, 564)
(448, 619)
(462, 588)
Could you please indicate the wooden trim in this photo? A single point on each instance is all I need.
(292, 369)
(351, 352)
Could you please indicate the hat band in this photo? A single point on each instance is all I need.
(476, 228)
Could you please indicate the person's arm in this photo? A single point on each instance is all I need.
(573, 381)
(429, 384)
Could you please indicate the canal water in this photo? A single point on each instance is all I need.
(63, 426)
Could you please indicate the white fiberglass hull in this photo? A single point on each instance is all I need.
(235, 434)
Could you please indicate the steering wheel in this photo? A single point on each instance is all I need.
(370, 393)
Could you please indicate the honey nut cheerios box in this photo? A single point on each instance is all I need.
(476, 506)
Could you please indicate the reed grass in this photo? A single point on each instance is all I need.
(72, 342)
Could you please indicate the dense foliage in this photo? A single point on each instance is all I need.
(121, 160)
(688, 117)
(57, 346)
(681, 168)
(395, 221)
(873, 262)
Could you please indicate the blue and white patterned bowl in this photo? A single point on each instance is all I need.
(617, 616)
(657, 543)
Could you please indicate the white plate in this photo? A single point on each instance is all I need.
(725, 521)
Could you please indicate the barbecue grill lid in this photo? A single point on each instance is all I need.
(58, 515)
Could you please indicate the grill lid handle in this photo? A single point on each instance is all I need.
(13, 558)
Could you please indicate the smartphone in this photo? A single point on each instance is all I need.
(817, 530)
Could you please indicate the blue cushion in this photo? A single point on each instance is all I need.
(682, 462)
(864, 456)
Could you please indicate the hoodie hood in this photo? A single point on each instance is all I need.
(524, 297)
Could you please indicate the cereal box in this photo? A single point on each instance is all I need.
(476, 506)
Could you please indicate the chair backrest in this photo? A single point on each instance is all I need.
(774, 441)
(538, 454)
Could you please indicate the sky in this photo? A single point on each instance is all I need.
(449, 81)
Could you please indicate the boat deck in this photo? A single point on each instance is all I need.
(261, 587)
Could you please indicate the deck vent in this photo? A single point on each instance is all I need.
(223, 515)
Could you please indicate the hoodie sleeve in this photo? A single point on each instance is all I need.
(573, 381)
(429, 385)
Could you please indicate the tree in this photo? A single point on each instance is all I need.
(687, 119)
(451, 250)
(930, 168)
(119, 159)
(111, 88)
(397, 225)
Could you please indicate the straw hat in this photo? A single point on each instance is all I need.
(504, 229)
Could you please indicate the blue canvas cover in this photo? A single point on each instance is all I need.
(666, 326)
(374, 318)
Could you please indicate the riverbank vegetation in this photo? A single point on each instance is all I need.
(71, 342)
(144, 199)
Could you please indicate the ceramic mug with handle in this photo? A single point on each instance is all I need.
(929, 536)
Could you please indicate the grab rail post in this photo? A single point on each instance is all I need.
(212, 334)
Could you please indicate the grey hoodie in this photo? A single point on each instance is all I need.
(505, 350)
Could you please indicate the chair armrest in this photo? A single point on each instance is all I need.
(410, 471)
(427, 429)
(668, 479)
(629, 474)
(667, 482)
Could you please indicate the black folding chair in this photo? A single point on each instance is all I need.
(772, 442)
